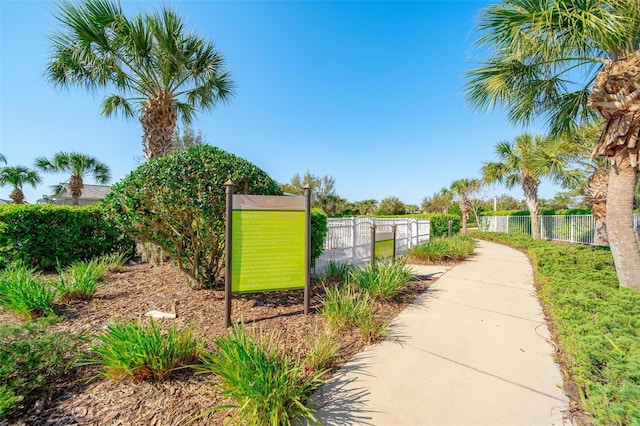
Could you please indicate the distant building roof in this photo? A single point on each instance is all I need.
(90, 194)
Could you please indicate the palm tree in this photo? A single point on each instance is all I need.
(17, 177)
(567, 61)
(3, 159)
(525, 161)
(462, 189)
(157, 70)
(77, 165)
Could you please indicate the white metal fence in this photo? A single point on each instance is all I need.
(569, 228)
(349, 239)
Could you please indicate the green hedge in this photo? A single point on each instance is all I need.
(41, 236)
(439, 222)
(318, 233)
(596, 323)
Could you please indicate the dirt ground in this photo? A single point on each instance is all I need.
(137, 289)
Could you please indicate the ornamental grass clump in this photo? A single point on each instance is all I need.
(25, 293)
(80, 280)
(323, 349)
(335, 272)
(137, 350)
(442, 249)
(269, 387)
(382, 280)
(350, 307)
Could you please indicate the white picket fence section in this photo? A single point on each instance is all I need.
(349, 239)
(569, 228)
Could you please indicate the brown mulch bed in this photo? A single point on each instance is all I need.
(135, 290)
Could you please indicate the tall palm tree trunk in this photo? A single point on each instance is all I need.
(75, 189)
(159, 118)
(530, 189)
(17, 196)
(464, 209)
(596, 195)
(626, 253)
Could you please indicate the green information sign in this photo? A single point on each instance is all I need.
(384, 245)
(384, 248)
(268, 250)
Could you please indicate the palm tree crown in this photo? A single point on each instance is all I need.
(17, 177)
(567, 61)
(527, 160)
(157, 69)
(462, 189)
(77, 165)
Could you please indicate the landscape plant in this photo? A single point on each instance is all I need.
(595, 322)
(137, 350)
(78, 166)
(382, 280)
(442, 249)
(350, 307)
(80, 280)
(25, 293)
(32, 357)
(158, 70)
(268, 386)
(178, 202)
(335, 273)
(322, 349)
(17, 177)
(43, 236)
(567, 62)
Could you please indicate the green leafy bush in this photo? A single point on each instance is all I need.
(268, 386)
(80, 280)
(25, 293)
(43, 236)
(382, 280)
(31, 358)
(596, 323)
(543, 212)
(442, 249)
(439, 223)
(318, 233)
(140, 351)
(178, 202)
(351, 307)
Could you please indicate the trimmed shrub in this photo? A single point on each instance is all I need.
(541, 212)
(44, 236)
(31, 358)
(318, 233)
(178, 202)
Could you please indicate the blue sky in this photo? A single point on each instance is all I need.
(370, 93)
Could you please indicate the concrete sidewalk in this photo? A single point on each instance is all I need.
(472, 350)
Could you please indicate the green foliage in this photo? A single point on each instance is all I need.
(43, 236)
(139, 351)
(25, 293)
(596, 322)
(80, 280)
(31, 358)
(323, 348)
(178, 202)
(382, 280)
(268, 386)
(335, 273)
(442, 249)
(318, 234)
(350, 307)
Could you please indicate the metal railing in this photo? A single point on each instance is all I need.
(349, 239)
(568, 228)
